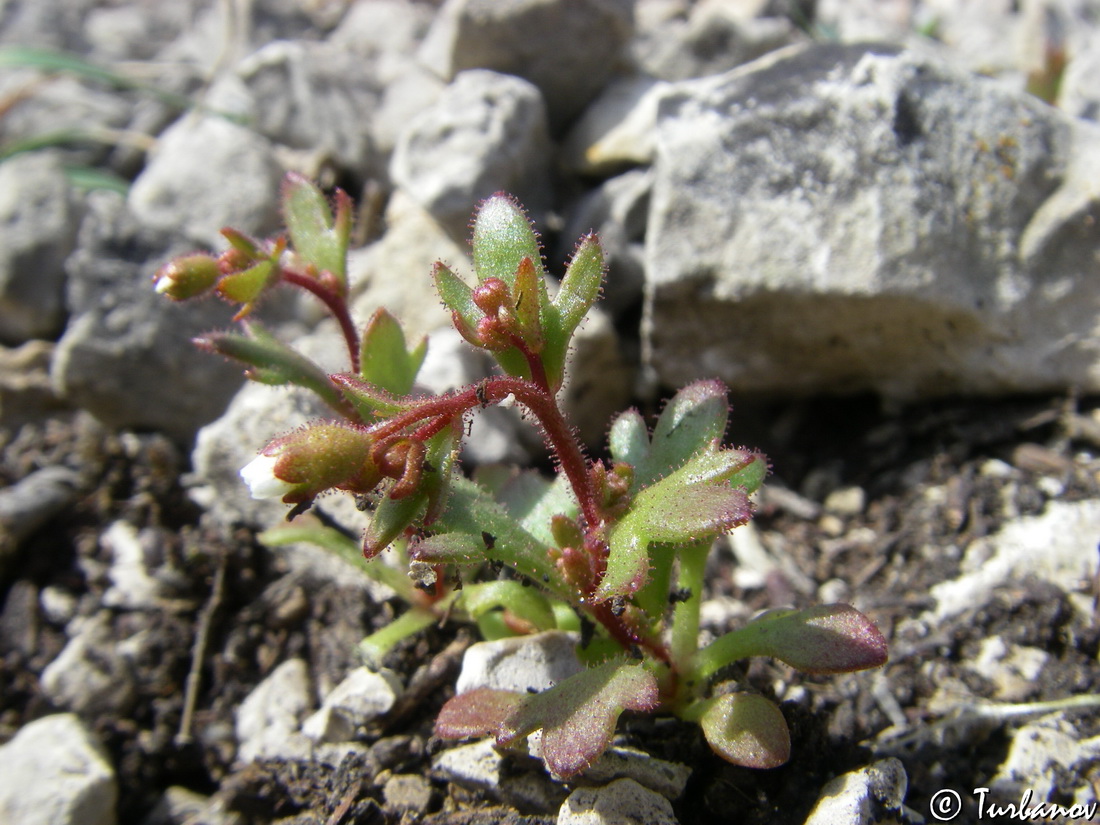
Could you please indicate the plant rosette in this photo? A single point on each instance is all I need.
(614, 548)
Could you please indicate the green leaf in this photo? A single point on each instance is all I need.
(273, 362)
(472, 510)
(385, 359)
(317, 237)
(577, 716)
(746, 729)
(458, 298)
(525, 602)
(528, 287)
(529, 498)
(693, 420)
(369, 401)
(503, 237)
(828, 638)
(391, 518)
(694, 503)
(581, 285)
(629, 438)
(245, 287)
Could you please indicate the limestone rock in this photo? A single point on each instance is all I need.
(485, 133)
(852, 218)
(54, 772)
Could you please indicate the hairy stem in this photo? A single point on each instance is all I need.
(336, 304)
(538, 400)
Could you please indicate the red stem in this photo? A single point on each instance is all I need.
(336, 304)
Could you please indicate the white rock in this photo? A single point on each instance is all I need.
(844, 218)
(666, 778)
(623, 802)
(485, 133)
(362, 696)
(182, 806)
(269, 718)
(1013, 669)
(53, 772)
(208, 173)
(862, 797)
(1056, 546)
(92, 674)
(1042, 754)
(40, 220)
(617, 129)
(479, 766)
(132, 586)
(567, 48)
(520, 663)
(126, 355)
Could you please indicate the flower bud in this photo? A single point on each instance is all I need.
(299, 466)
(187, 276)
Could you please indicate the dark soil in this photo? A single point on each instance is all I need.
(249, 614)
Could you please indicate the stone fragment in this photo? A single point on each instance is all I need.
(485, 133)
(362, 696)
(208, 173)
(126, 355)
(864, 797)
(286, 88)
(520, 663)
(567, 48)
(38, 220)
(182, 806)
(407, 794)
(54, 772)
(1042, 756)
(666, 778)
(715, 36)
(479, 766)
(1054, 546)
(93, 673)
(617, 129)
(623, 802)
(269, 718)
(846, 218)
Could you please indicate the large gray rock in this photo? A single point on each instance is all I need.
(54, 772)
(207, 173)
(38, 220)
(845, 218)
(567, 48)
(486, 132)
(126, 355)
(285, 89)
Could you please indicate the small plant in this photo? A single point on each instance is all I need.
(615, 549)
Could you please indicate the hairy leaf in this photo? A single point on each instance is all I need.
(746, 729)
(827, 638)
(694, 503)
(693, 420)
(386, 361)
(273, 362)
(319, 239)
(577, 716)
(581, 285)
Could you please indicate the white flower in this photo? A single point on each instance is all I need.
(259, 475)
(163, 284)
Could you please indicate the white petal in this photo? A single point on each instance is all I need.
(259, 475)
(163, 284)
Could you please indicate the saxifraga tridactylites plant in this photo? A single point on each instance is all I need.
(620, 545)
